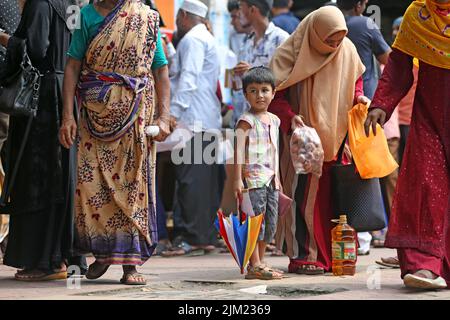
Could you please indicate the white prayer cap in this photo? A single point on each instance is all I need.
(195, 7)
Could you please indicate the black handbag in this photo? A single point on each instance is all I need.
(19, 91)
(19, 96)
(360, 199)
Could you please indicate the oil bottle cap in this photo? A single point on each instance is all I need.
(342, 219)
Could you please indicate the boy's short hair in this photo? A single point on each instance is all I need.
(258, 75)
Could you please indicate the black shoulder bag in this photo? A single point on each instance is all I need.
(360, 199)
(19, 91)
(19, 97)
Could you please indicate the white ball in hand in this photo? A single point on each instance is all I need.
(152, 131)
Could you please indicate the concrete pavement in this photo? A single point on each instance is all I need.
(216, 276)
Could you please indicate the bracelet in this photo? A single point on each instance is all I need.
(69, 119)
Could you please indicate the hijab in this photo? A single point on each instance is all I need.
(425, 33)
(327, 75)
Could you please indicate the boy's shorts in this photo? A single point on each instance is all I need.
(265, 200)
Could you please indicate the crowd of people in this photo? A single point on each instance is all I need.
(91, 180)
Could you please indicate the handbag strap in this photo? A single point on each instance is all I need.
(8, 183)
(35, 101)
(341, 150)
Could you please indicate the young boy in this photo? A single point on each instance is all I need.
(256, 167)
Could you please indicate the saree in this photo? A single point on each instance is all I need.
(115, 204)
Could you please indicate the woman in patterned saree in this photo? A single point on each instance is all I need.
(116, 56)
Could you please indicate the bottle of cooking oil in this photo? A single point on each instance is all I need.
(343, 238)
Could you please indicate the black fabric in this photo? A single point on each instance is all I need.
(37, 240)
(41, 202)
(40, 181)
(9, 20)
(301, 229)
(198, 196)
(14, 57)
(60, 7)
(19, 95)
(4, 123)
(404, 132)
(360, 199)
(9, 15)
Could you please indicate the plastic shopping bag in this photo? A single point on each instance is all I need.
(370, 154)
(306, 151)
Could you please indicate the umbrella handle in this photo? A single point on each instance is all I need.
(238, 207)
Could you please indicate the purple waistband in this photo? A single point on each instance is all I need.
(95, 86)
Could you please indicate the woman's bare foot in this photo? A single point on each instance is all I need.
(272, 269)
(310, 269)
(426, 274)
(132, 277)
(424, 279)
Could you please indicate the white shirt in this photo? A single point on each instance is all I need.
(260, 53)
(194, 78)
(236, 41)
(256, 55)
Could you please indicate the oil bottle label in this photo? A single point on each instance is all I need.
(344, 250)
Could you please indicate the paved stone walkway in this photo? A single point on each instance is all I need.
(217, 277)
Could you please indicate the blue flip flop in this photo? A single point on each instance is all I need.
(183, 249)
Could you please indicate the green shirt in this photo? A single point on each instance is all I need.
(90, 21)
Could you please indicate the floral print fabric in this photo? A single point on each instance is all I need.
(115, 212)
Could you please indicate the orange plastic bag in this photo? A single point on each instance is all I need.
(370, 154)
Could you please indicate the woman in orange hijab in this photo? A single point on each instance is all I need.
(318, 72)
(419, 227)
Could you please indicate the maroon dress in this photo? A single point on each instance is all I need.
(419, 227)
(306, 229)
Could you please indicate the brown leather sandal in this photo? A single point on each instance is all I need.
(37, 275)
(262, 273)
(391, 262)
(132, 279)
(96, 270)
(310, 270)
